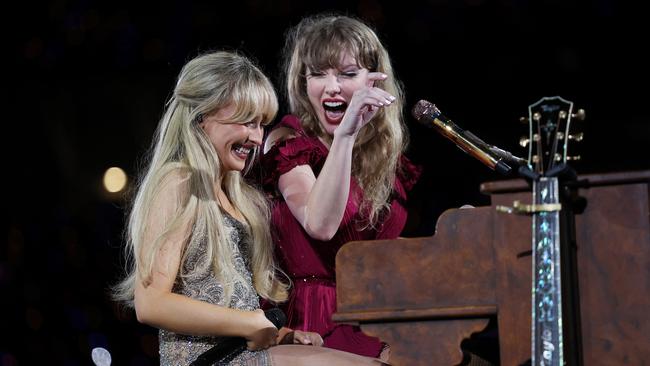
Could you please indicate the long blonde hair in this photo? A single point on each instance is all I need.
(318, 43)
(206, 84)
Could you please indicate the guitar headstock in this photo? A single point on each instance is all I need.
(549, 132)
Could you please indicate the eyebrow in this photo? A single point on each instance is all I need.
(351, 65)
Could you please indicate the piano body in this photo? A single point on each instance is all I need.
(423, 296)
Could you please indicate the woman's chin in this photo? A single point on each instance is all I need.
(330, 125)
(233, 165)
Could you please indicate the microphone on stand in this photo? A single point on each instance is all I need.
(231, 347)
(496, 159)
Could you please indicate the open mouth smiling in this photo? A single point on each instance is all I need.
(334, 110)
(241, 151)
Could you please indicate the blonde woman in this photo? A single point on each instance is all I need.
(335, 165)
(198, 236)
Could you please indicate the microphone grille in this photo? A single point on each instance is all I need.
(425, 108)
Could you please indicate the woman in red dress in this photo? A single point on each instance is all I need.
(335, 166)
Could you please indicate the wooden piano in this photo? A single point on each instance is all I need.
(423, 296)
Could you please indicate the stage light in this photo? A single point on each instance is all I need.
(114, 179)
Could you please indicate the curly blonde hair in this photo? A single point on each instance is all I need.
(319, 42)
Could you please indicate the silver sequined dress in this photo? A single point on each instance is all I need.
(178, 349)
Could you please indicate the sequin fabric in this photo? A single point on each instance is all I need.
(178, 349)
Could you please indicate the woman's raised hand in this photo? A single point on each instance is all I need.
(365, 103)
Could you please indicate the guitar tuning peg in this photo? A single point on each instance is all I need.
(573, 158)
(557, 157)
(576, 136)
(535, 159)
(523, 120)
(537, 116)
(524, 141)
(559, 135)
(579, 115)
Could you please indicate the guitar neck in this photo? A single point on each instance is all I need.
(547, 346)
(549, 132)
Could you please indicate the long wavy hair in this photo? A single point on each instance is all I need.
(319, 42)
(181, 148)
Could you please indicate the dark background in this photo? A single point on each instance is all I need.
(87, 82)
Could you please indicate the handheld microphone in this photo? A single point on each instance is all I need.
(496, 159)
(231, 347)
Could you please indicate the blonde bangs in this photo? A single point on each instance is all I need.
(254, 99)
(326, 52)
(324, 48)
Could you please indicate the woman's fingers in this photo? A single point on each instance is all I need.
(375, 76)
(300, 337)
(262, 339)
(364, 105)
(372, 97)
(316, 340)
(375, 96)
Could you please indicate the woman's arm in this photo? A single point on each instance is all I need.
(319, 203)
(158, 306)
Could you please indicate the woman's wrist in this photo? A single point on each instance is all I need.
(343, 136)
(343, 142)
(250, 322)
